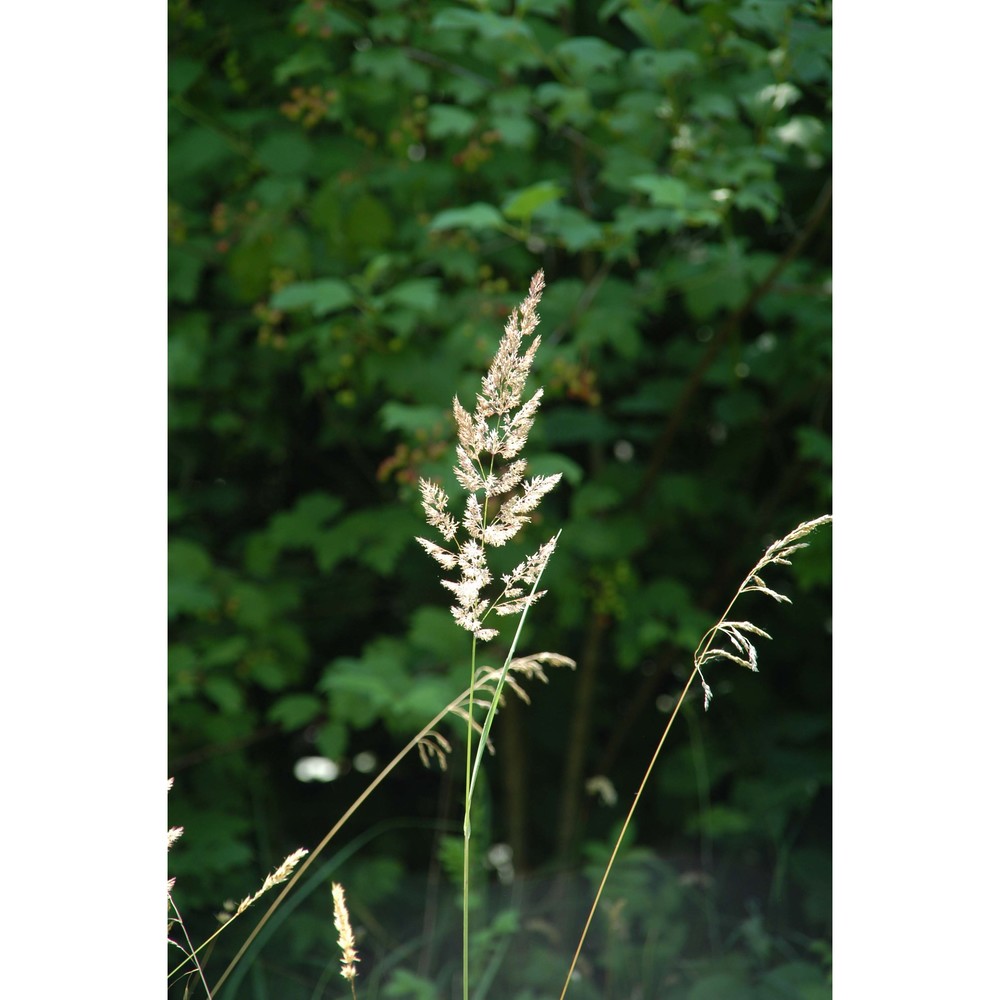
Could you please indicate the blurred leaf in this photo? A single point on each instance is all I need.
(404, 985)
(293, 711)
(445, 119)
(661, 66)
(721, 986)
(795, 981)
(550, 463)
(285, 153)
(323, 296)
(420, 294)
(666, 191)
(585, 56)
(477, 216)
(521, 205)
(401, 417)
(303, 524)
(225, 693)
(301, 63)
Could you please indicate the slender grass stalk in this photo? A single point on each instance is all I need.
(777, 553)
(192, 952)
(467, 831)
(429, 744)
(497, 694)
(281, 874)
(495, 432)
(414, 743)
(498, 429)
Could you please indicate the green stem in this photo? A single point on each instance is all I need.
(467, 829)
(484, 736)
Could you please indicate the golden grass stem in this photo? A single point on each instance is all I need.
(621, 835)
(335, 829)
(777, 553)
(192, 951)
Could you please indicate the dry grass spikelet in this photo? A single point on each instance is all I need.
(281, 874)
(738, 632)
(434, 746)
(345, 935)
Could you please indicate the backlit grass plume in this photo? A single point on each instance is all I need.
(345, 936)
(489, 442)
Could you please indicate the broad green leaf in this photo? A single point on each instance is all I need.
(405, 985)
(293, 711)
(285, 152)
(187, 348)
(569, 105)
(476, 216)
(197, 150)
(795, 979)
(304, 61)
(517, 131)
(420, 294)
(182, 73)
(666, 191)
(521, 205)
(323, 296)
(404, 417)
(650, 64)
(368, 222)
(763, 196)
(570, 226)
(550, 463)
(225, 652)
(304, 523)
(376, 537)
(720, 821)
(185, 265)
(484, 23)
(721, 986)
(768, 16)
(225, 693)
(585, 56)
(394, 27)
(392, 65)
(542, 8)
(280, 192)
(658, 23)
(331, 739)
(444, 120)
(433, 630)
(188, 560)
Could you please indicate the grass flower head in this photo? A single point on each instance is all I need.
(499, 496)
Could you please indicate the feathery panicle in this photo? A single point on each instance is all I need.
(173, 835)
(491, 436)
(776, 554)
(281, 874)
(434, 746)
(527, 667)
(345, 935)
(520, 668)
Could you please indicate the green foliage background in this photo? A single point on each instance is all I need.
(359, 193)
